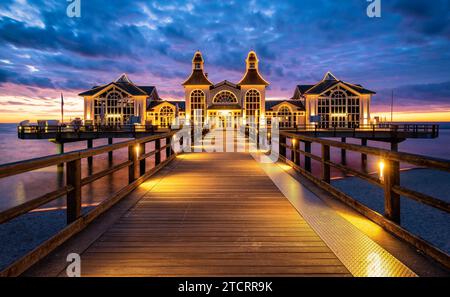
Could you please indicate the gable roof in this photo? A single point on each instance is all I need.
(272, 103)
(252, 77)
(197, 77)
(154, 103)
(124, 83)
(328, 81)
(225, 82)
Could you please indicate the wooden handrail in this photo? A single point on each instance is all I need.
(414, 159)
(74, 183)
(38, 163)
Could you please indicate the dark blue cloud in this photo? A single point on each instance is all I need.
(297, 41)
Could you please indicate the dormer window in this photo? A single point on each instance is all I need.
(252, 65)
(197, 66)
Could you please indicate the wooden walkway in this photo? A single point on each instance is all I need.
(214, 214)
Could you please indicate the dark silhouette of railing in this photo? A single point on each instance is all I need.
(390, 182)
(412, 129)
(76, 221)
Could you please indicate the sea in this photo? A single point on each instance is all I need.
(22, 234)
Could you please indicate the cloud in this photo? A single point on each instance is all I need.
(297, 42)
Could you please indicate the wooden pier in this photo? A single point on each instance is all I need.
(223, 214)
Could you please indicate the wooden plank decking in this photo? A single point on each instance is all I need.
(214, 214)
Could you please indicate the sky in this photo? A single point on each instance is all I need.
(43, 52)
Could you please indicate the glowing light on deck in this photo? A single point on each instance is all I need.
(137, 149)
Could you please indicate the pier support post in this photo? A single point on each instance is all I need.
(394, 146)
(59, 151)
(73, 176)
(282, 145)
(295, 155)
(168, 147)
(343, 152)
(90, 144)
(391, 199)
(132, 156)
(325, 165)
(364, 156)
(110, 154)
(141, 162)
(307, 158)
(157, 152)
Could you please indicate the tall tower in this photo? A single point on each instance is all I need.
(253, 88)
(196, 89)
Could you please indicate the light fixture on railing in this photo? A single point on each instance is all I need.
(381, 166)
(137, 149)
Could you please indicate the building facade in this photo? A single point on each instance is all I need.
(326, 104)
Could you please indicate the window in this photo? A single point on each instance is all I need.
(340, 108)
(225, 97)
(113, 108)
(198, 106)
(285, 117)
(252, 106)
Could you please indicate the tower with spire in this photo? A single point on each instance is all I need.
(196, 88)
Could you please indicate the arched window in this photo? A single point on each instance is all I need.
(339, 107)
(113, 108)
(166, 115)
(225, 97)
(285, 117)
(198, 106)
(252, 106)
(338, 102)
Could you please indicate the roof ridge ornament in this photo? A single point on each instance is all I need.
(329, 76)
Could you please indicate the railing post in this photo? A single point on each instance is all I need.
(110, 154)
(364, 156)
(90, 144)
(168, 147)
(343, 152)
(73, 178)
(60, 150)
(307, 158)
(132, 156)
(157, 151)
(391, 199)
(295, 155)
(282, 145)
(325, 165)
(141, 162)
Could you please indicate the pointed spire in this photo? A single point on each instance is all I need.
(329, 76)
(252, 60)
(252, 76)
(123, 78)
(197, 61)
(197, 77)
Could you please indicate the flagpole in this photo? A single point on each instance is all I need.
(392, 106)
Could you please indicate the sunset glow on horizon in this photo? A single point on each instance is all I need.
(44, 53)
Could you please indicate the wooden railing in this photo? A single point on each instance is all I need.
(35, 129)
(76, 221)
(413, 129)
(390, 182)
